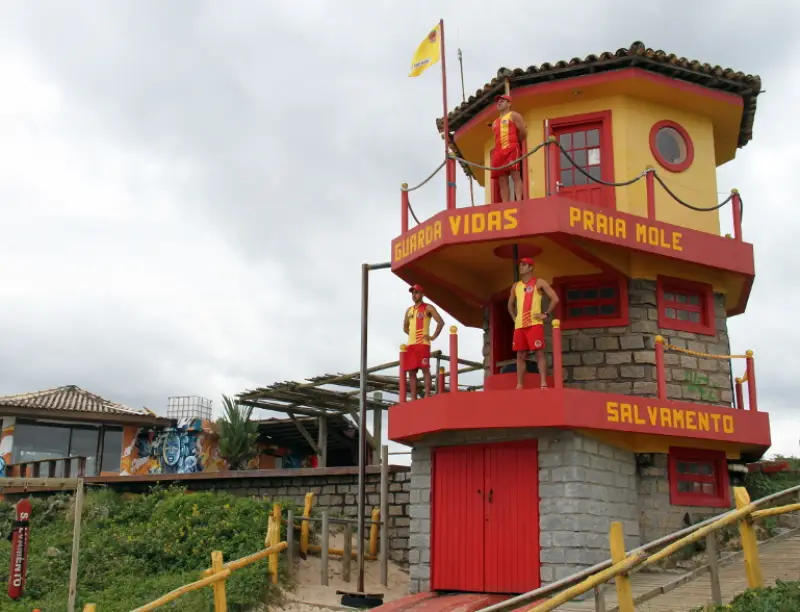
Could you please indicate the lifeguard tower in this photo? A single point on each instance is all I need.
(642, 422)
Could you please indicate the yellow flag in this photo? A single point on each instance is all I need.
(428, 52)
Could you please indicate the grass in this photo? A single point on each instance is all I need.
(137, 548)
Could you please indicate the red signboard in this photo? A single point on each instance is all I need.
(19, 550)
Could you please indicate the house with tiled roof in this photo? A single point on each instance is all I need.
(68, 422)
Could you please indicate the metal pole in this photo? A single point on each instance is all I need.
(384, 550)
(362, 424)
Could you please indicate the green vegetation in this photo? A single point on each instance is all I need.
(237, 434)
(136, 549)
(783, 597)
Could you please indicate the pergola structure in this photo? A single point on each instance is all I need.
(334, 396)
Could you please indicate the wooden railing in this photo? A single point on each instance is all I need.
(47, 468)
(622, 563)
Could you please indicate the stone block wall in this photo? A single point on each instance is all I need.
(657, 516)
(335, 489)
(584, 485)
(622, 359)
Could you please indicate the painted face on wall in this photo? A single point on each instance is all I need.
(172, 449)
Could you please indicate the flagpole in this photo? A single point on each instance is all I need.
(464, 99)
(450, 175)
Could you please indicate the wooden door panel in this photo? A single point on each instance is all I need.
(458, 519)
(512, 517)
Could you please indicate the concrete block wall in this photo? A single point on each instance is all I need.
(622, 359)
(584, 485)
(335, 489)
(657, 516)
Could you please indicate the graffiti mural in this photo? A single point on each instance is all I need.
(188, 447)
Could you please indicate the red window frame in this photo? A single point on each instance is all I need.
(687, 140)
(677, 294)
(564, 284)
(682, 458)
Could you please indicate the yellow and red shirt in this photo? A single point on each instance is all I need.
(419, 324)
(506, 135)
(529, 303)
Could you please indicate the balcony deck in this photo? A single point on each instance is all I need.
(463, 255)
(641, 424)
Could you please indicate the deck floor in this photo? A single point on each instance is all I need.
(780, 560)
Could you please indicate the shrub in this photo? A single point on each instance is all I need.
(136, 549)
(783, 597)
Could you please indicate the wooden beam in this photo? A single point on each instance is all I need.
(370, 440)
(286, 409)
(32, 483)
(301, 428)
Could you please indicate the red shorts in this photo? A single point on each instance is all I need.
(417, 356)
(528, 338)
(501, 157)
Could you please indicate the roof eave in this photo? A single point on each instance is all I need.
(92, 417)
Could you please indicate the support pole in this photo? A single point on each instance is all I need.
(650, 182)
(404, 202)
(402, 391)
(558, 368)
(325, 544)
(713, 568)
(289, 542)
(736, 201)
(322, 441)
(739, 394)
(362, 426)
(752, 564)
(384, 548)
(76, 546)
(623, 581)
(377, 434)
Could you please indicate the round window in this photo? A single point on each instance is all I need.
(671, 146)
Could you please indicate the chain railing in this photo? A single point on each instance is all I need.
(553, 147)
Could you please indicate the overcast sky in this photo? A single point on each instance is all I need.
(188, 188)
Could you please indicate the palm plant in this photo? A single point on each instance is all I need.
(237, 434)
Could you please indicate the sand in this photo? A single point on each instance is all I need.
(310, 596)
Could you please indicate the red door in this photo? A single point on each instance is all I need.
(512, 518)
(485, 531)
(458, 523)
(585, 144)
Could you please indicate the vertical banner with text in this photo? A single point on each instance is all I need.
(19, 550)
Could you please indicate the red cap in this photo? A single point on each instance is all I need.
(414, 288)
(506, 97)
(528, 260)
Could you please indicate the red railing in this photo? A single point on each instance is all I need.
(552, 152)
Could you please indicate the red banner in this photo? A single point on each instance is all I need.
(19, 550)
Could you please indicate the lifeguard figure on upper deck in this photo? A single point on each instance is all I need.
(525, 308)
(417, 324)
(509, 132)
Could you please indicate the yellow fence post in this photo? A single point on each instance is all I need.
(90, 608)
(623, 582)
(220, 602)
(373, 532)
(752, 564)
(276, 537)
(305, 525)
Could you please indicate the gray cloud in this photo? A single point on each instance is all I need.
(190, 188)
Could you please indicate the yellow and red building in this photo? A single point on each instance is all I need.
(642, 422)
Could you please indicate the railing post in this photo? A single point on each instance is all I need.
(552, 170)
(650, 182)
(751, 381)
(404, 202)
(276, 537)
(713, 568)
(558, 369)
(402, 391)
(373, 531)
(220, 601)
(347, 551)
(660, 373)
(752, 564)
(736, 202)
(305, 525)
(323, 553)
(289, 542)
(453, 359)
(440, 384)
(623, 581)
(450, 167)
(739, 394)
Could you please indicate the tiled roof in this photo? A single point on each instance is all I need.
(69, 398)
(692, 71)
